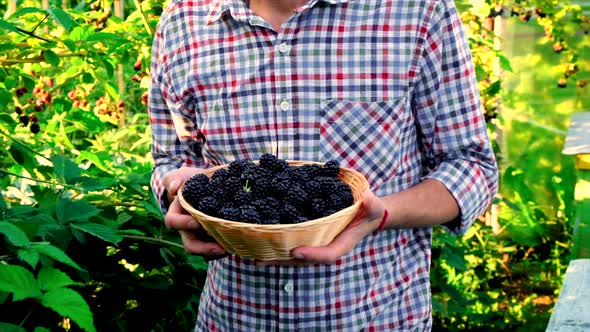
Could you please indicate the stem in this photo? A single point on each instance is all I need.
(144, 18)
(24, 146)
(26, 317)
(154, 240)
(37, 180)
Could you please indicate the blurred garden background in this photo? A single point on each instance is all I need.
(82, 242)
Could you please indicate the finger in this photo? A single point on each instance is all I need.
(178, 218)
(174, 179)
(340, 246)
(290, 262)
(194, 245)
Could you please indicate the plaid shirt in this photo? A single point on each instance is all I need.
(386, 87)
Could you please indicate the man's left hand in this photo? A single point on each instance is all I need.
(365, 222)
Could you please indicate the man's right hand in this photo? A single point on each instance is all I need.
(178, 218)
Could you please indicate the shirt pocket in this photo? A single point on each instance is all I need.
(365, 136)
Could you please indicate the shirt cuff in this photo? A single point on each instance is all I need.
(467, 183)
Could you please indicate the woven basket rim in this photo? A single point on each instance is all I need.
(238, 224)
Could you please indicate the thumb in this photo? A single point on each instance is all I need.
(173, 186)
(373, 206)
(174, 179)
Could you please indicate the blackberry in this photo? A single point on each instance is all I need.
(209, 205)
(231, 186)
(217, 188)
(296, 195)
(272, 163)
(270, 221)
(331, 168)
(35, 128)
(313, 188)
(317, 207)
(230, 212)
(222, 173)
(262, 187)
(266, 206)
(289, 214)
(238, 166)
(281, 183)
(308, 172)
(252, 175)
(327, 184)
(196, 188)
(24, 120)
(249, 214)
(339, 201)
(300, 219)
(342, 193)
(242, 197)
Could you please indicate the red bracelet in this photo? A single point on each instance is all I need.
(383, 221)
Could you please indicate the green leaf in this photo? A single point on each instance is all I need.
(29, 256)
(50, 279)
(55, 253)
(504, 62)
(77, 211)
(63, 18)
(100, 36)
(69, 303)
(90, 120)
(112, 91)
(51, 58)
(494, 88)
(64, 168)
(197, 262)
(131, 232)
(27, 10)
(96, 158)
(4, 25)
(5, 97)
(102, 232)
(3, 205)
(88, 79)
(152, 208)
(455, 260)
(41, 329)
(88, 183)
(23, 157)
(7, 327)
(7, 46)
(18, 281)
(14, 234)
(3, 297)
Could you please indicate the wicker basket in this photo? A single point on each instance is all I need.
(275, 242)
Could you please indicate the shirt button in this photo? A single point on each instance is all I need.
(288, 287)
(285, 106)
(284, 47)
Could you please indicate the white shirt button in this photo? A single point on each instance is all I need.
(288, 287)
(284, 47)
(285, 105)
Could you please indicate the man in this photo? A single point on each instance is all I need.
(384, 87)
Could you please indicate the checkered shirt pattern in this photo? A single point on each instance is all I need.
(386, 87)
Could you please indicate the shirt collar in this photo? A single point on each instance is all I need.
(238, 9)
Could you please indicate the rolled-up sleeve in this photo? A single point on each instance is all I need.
(175, 141)
(453, 133)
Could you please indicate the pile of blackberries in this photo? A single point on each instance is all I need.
(269, 192)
